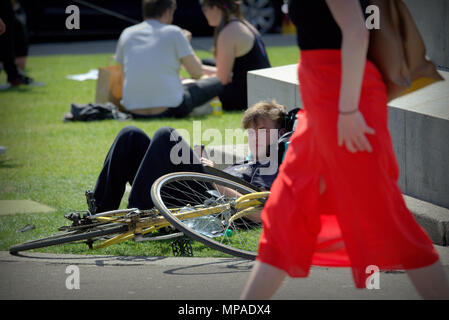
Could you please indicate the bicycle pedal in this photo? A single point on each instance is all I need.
(75, 217)
(182, 247)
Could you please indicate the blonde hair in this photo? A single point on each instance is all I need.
(265, 109)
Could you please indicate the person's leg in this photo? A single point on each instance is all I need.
(263, 282)
(234, 96)
(430, 282)
(120, 166)
(197, 93)
(20, 44)
(7, 55)
(167, 153)
(266, 279)
(209, 62)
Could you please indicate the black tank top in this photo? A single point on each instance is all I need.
(315, 25)
(256, 58)
(234, 95)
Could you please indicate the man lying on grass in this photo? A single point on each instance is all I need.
(139, 160)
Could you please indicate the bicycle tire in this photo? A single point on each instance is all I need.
(157, 195)
(71, 236)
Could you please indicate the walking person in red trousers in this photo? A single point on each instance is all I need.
(336, 202)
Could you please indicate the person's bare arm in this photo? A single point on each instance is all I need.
(351, 124)
(2, 27)
(193, 66)
(225, 56)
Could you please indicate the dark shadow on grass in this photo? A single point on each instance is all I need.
(7, 163)
(20, 89)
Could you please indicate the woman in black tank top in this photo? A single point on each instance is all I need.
(231, 68)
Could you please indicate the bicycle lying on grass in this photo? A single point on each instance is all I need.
(218, 212)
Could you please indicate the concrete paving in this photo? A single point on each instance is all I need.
(23, 206)
(51, 276)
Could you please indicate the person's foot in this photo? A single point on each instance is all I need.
(202, 110)
(2, 150)
(21, 79)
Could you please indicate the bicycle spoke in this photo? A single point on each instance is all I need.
(207, 220)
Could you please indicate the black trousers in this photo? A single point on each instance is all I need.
(195, 94)
(234, 94)
(139, 160)
(7, 52)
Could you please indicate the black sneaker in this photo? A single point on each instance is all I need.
(21, 79)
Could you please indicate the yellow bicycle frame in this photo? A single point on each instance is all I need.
(245, 205)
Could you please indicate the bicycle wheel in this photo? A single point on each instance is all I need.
(197, 192)
(70, 236)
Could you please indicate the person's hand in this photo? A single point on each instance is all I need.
(187, 34)
(351, 132)
(209, 71)
(207, 162)
(2, 27)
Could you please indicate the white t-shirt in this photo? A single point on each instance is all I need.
(150, 53)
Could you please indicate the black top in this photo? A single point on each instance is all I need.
(234, 96)
(315, 25)
(250, 171)
(256, 58)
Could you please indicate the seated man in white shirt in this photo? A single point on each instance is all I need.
(151, 54)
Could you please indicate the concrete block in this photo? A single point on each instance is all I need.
(434, 219)
(432, 101)
(419, 126)
(427, 158)
(284, 89)
(396, 126)
(432, 19)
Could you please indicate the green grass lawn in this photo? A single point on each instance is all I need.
(53, 162)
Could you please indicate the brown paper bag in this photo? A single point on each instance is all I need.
(398, 50)
(109, 85)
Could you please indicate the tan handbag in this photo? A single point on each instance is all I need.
(109, 85)
(398, 50)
